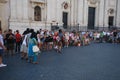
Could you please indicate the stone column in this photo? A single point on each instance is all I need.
(101, 13)
(25, 9)
(97, 14)
(72, 12)
(53, 10)
(58, 11)
(83, 11)
(118, 22)
(49, 10)
(76, 12)
(106, 13)
(80, 12)
(118, 14)
(86, 13)
(19, 9)
(13, 9)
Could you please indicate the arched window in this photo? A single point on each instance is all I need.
(37, 13)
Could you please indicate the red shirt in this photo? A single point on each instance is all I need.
(18, 37)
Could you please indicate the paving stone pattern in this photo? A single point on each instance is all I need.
(94, 62)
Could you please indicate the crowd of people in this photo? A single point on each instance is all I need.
(46, 40)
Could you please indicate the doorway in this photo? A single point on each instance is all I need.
(91, 17)
(110, 20)
(65, 20)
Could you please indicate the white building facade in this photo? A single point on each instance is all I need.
(36, 14)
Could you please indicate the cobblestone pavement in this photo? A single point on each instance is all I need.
(93, 62)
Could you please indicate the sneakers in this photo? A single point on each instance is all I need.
(3, 65)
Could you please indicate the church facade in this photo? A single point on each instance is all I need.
(88, 14)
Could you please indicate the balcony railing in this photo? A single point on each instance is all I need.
(83, 28)
(40, 1)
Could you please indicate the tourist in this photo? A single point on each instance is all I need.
(32, 56)
(10, 38)
(24, 48)
(2, 47)
(18, 41)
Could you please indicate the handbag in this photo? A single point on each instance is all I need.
(35, 48)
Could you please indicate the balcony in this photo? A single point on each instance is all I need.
(38, 1)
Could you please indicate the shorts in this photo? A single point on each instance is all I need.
(1, 52)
